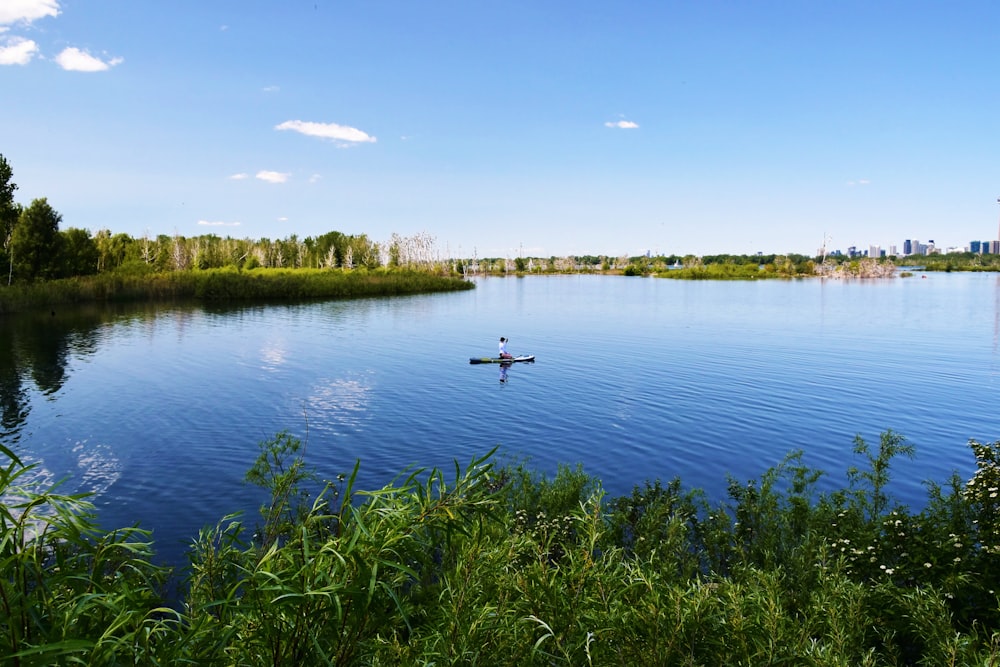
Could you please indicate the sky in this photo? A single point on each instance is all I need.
(533, 128)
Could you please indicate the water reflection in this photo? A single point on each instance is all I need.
(35, 353)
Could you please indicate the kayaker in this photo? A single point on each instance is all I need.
(504, 354)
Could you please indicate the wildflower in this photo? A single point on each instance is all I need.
(889, 570)
(928, 565)
(957, 560)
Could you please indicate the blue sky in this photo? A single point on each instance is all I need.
(545, 128)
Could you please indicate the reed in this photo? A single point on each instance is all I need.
(497, 565)
(226, 284)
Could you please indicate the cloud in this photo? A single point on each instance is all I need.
(272, 176)
(207, 223)
(330, 131)
(14, 11)
(239, 177)
(75, 60)
(270, 89)
(622, 124)
(315, 178)
(17, 51)
(860, 181)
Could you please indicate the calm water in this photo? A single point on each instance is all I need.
(158, 411)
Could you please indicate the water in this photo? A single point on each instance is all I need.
(158, 410)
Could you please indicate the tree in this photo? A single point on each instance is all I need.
(9, 211)
(80, 256)
(35, 242)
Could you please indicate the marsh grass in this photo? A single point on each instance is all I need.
(226, 284)
(497, 565)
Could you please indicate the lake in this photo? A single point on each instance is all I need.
(158, 410)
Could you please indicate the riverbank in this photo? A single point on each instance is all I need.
(500, 565)
(228, 284)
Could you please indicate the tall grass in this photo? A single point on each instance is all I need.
(497, 565)
(226, 284)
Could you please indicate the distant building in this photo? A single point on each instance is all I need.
(995, 247)
(892, 250)
(975, 247)
(907, 247)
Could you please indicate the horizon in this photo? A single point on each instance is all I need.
(549, 130)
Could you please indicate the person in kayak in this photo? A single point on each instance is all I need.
(504, 354)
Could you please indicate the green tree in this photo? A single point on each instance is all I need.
(79, 253)
(8, 210)
(35, 241)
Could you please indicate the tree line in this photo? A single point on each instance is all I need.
(34, 247)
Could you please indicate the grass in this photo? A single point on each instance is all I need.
(226, 284)
(497, 565)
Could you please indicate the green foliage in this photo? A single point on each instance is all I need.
(35, 242)
(503, 566)
(140, 282)
(9, 213)
(958, 261)
(870, 483)
(80, 256)
(69, 591)
(280, 470)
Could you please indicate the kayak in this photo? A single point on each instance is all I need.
(498, 360)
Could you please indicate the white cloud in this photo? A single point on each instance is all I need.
(14, 11)
(75, 60)
(17, 51)
(207, 223)
(861, 181)
(270, 89)
(622, 124)
(315, 178)
(272, 176)
(239, 177)
(326, 131)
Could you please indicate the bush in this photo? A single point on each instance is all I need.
(502, 566)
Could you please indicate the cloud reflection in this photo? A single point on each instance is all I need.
(340, 403)
(99, 467)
